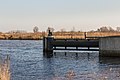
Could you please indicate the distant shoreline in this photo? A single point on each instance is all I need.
(20, 39)
(57, 35)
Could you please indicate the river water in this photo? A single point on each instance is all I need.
(27, 63)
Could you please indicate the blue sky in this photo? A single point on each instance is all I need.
(82, 14)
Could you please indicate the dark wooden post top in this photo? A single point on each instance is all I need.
(49, 33)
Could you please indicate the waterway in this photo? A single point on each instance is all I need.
(27, 63)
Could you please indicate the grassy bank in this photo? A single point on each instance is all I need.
(60, 35)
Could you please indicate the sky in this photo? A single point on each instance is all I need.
(83, 15)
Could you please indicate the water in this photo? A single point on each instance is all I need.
(27, 63)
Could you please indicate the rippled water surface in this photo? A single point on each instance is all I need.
(27, 63)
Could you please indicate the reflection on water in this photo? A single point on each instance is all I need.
(28, 63)
(110, 60)
(110, 67)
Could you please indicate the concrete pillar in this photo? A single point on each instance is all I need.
(47, 46)
(109, 46)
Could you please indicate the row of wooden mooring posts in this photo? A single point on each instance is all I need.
(50, 44)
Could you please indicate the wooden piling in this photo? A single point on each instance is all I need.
(85, 35)
(44, 45)
(47, 46)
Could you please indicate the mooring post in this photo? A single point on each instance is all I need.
(44, 45)
(85, 34)
(47, 46)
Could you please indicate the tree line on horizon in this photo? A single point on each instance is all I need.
(36, 30)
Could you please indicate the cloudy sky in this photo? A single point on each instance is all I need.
(82, 14)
